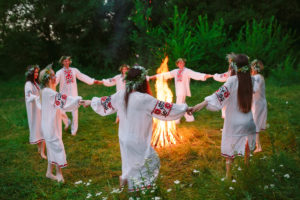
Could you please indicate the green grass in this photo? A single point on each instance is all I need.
(94, 153)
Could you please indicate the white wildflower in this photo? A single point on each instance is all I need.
(177, 182)
(78, 182)
(87, 184)
(286, 102)
(272, 185)
(152, 191)
(104, 198)
(143, 192)
(90, 180)
(286, 176)
(231, 188)
(222, 179)
(156, 198)
(240, 169)
(131, 198)
(98, 194)
(88, 195)
(233, 180)
(266, 187)
(251, 154)
(190, 185)
(196, 171)
(137, 55)
(116, 191)
(281, 165)
(273, 170)
(169, 190)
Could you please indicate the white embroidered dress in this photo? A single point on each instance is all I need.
(117, 80)
(140, 162)
(33, 109)
(222, 78)
(66, 78)
(52, 104)
(238, 127)
(182, 79)
(259, 105)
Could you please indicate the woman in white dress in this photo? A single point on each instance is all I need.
(32, 95)
(117, 81)
(259, 106)
(136, 108)
(238, 135)
(224, 76)
(52, 103)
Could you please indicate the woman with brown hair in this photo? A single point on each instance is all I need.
(238, 135)
(32, 94)
(136, 108)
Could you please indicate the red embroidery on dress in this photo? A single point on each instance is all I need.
(106, 103)
(162, 108)
(222, 93)
(179, 75)
(68, 75)
(60, 100)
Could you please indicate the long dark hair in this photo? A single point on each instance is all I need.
(30, 73)
(245, 88)
(134, 74)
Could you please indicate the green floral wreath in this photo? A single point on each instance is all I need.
(138, 81)
(30, 71)
(46, 76)
(254, 63)
(243, 69)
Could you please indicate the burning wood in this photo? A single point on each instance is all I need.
(164, 132)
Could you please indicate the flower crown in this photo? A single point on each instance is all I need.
(255, 65)
(243, 69)
(138, 81)
(44, 79)
(30, 71)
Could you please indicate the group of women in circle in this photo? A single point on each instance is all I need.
(241, 99)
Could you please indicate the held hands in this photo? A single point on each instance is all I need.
(196, 108)
(85, 103)
(152, 77)
(208, 76)
(98, 82)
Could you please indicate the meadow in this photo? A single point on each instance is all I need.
(191, 169)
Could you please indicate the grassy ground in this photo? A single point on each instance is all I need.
(93, 155)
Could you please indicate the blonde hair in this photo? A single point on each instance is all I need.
(64, 58)
(257, 65)
(231, 56)
(123, 66)
(180, 59)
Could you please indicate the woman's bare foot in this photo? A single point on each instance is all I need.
(60, 178)
(51, 176)
(258, 149)
(43, 156)
(123, 182)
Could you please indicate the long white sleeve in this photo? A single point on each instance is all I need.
(220, 98)
(103, 105)
(196, 75)
(221, 77)
(66, 103)
(110, 82)
(164, 110)
(84, 78)
(29, 96)
(166, 75)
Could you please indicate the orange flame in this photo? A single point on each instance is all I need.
(164, 132)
